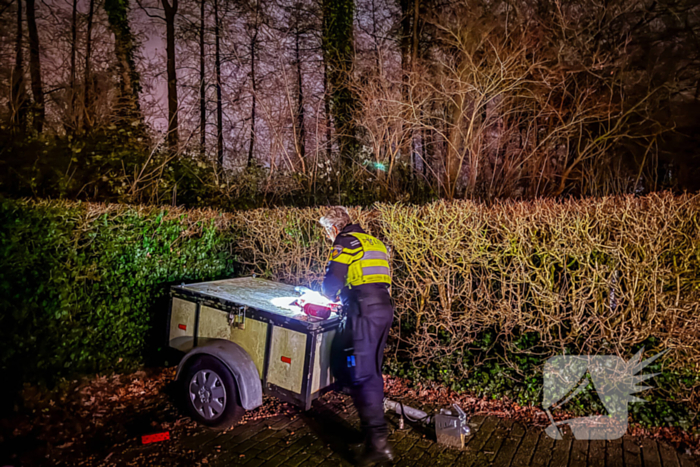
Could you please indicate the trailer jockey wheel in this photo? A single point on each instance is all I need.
(212, 394)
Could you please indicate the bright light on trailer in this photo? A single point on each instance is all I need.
(309, 296)
(287, 303)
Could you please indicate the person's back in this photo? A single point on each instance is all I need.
(358, 271)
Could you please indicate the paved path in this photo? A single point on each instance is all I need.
(321, 438)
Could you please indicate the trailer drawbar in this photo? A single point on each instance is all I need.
(450, 429)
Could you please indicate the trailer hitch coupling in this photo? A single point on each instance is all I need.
(451, 429)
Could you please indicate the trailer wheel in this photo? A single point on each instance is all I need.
(211, 393)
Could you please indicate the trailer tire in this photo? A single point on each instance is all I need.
(211, 393)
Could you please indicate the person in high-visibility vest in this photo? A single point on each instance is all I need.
(358, 271)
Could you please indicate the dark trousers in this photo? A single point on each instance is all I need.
(369, 324)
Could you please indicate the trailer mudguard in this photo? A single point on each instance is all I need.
(238, 362)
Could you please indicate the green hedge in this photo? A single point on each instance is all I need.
(81, 285)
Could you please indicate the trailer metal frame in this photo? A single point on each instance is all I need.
(240, 309)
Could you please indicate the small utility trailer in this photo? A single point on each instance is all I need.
(243, 338)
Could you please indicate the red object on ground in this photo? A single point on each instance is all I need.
(182, 326)
(287, 360)
(156, 437)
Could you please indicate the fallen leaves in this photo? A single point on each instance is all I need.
(271, 407)
(70, 421)
(65, 418)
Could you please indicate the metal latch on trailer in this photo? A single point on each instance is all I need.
(237, 318)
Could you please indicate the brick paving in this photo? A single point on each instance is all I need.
(323, 436)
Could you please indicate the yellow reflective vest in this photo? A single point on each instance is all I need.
(367, 264)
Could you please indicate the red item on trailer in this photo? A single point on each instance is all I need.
(316, 306)
(317, 311)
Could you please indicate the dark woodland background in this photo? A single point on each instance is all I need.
(243, 103)
(235, 104)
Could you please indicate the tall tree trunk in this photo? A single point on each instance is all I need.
(219, 104)
(414, 69)
(300, 130)
(202, 87)
(73, 49)
(128, 107)
(338, 47)
(18, 98)
(35, 68)
(374, 38)
(170, 10)
(87, 96)
(427, 138)
(405, 48)
(327, 98)
(452, 156)
(404, 44)
(326, 89)
(414, 45)
(253, 42)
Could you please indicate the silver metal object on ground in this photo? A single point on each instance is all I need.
(450, 429)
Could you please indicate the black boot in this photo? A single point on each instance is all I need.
(377, 450)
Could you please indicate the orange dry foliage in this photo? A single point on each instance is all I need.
(600, 275)
(596, 275)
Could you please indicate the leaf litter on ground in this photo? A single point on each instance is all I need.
(64, 421)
